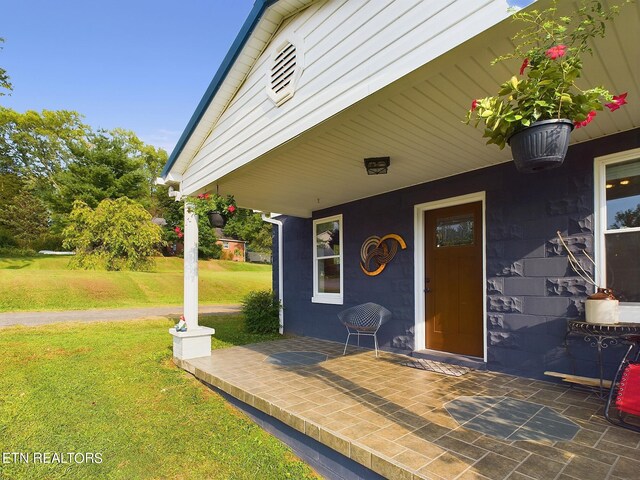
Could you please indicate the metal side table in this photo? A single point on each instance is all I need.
(601, 336)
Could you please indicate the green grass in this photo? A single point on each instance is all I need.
(112, 388)
(45, 283)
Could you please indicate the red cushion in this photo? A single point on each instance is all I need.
(628, 399)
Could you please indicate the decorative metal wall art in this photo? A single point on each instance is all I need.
(379, 251)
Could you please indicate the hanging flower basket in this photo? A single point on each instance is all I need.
(216, 207)
(216, 220)
(536, 109)
(541, 146)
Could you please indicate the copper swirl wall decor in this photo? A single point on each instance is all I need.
(379, 251)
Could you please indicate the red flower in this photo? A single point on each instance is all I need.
(525, 64)
(618, 101)
(206, 196)
(180, 235)
(556, 52)
(231, 208)
(201, 196)
(474, 105)
(587, 121)
(177, 229)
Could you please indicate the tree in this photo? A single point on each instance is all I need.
(109, 165)
(4, 77)
(207, 246)
(249, 226)
(36, 146)
(26, 219)
(116, 235)
(627, 218)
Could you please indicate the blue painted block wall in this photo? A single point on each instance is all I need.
(531, 290)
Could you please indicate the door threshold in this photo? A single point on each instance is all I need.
(476, 363)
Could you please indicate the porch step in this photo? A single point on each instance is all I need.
(453, 358)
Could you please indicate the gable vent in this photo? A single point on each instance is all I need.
(284, 72)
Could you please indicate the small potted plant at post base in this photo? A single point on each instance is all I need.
(216, 207)
(534, 112)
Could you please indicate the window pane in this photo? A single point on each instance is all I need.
(454, 231)
(623, 265)
(328, 239)
(623, 195)
(329, 275)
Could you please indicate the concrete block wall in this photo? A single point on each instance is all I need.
(531, 290)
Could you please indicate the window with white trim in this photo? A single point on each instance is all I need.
(327, 260)
(618, 194)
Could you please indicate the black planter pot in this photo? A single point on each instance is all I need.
(541, 146)
(216, 220)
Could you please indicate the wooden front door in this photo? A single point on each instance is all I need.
(453, 283)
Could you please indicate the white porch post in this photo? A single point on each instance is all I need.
(196, 341)
(190, 267)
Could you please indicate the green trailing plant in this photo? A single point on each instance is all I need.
(261, 311)
(551, 47)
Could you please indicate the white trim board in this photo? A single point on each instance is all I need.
(331, 298)
(629, 312)
(418, 241)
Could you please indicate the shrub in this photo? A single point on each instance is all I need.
(260, 310)
(6, 239)
(17, 252)
(48, 241)
(117, 235)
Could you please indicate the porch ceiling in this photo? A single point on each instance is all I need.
(417, 121)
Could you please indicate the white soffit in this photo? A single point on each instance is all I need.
(417, 121)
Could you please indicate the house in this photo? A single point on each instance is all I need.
(310, 89)
(232, 248)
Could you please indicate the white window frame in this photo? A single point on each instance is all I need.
(320, 297)
(629, 310)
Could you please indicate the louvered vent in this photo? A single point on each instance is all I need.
(284, 72)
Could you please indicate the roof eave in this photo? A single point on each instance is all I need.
(259, 7)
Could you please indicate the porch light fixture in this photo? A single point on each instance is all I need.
(377, 165)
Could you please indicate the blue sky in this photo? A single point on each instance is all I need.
(142, 65)
(136, 64)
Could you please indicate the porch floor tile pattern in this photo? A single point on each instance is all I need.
(393, 419)
(511, 419)
(285, 359)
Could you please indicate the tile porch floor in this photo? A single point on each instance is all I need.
(392, 418)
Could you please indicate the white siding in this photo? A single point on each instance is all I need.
(351, 49)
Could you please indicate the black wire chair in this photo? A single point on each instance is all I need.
(365, 319)
(626, 383)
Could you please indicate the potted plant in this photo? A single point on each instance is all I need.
(217, 207)
(534, 112)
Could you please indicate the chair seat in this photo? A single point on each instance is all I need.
(364, 319)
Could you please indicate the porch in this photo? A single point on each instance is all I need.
(399, 421)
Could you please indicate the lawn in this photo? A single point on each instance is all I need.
(45, 283)
(112, 389)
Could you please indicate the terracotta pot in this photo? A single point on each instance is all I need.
(541, 146)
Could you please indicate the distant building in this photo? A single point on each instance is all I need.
(232, 248)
